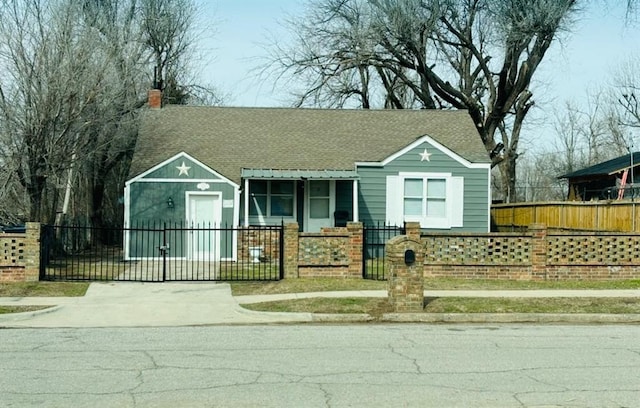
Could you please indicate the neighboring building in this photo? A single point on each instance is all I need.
(609, 180)
(317, 167)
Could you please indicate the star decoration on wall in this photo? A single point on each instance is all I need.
(425, 156)
(184, 169)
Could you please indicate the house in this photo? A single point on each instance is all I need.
(608, 180)
(317, 167)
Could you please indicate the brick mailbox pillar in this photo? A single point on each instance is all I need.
(404, 260)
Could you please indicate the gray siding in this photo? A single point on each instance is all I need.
(372, 187)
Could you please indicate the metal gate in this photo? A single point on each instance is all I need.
(159, 252)
(374, 239)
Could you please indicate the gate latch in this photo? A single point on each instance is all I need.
(163, 249)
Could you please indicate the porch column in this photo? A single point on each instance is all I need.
(356, 216)
(246, 203)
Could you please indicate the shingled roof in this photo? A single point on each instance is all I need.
(230, 139)
(607, 167)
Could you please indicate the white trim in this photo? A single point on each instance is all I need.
(394, 213)
(356, 205)
(433, 143)
(182, 180)
(185, 156)
(216, 238)
(395, 201)
(307, 204)
(236, 222)
(456, 204)
(246, 203)
(424, 174)
(127, 215)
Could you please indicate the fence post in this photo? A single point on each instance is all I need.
(406, 280)
(32, 252)
(290, 255)
(412, 230)
(356, 249)
(539, 251)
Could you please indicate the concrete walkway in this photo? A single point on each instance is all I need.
(127, 304)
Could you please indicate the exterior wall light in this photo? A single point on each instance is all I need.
(170, 203)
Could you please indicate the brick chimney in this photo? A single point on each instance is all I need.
(155, 98)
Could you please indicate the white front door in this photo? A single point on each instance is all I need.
(320, 204)
(204, 215)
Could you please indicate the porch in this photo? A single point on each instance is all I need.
(313, 199)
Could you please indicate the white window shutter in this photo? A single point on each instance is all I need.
(393, 211)
(456, 200)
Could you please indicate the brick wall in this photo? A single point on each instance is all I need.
(536, 255)
(20, 255)
(332, 252)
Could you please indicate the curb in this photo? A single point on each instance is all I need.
(341, 318)
(546, 318)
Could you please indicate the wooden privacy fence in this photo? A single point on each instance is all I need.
(613, 216)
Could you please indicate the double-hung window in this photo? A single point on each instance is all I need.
(271, 198)
(435, 200)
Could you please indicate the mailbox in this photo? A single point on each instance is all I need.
(409, 257)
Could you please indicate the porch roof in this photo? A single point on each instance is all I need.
(299, 174)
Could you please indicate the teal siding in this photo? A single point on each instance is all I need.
(148, 201)
(148, 209)
(372, 186)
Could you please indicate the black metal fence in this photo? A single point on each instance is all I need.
(374, 238)
(158, 252)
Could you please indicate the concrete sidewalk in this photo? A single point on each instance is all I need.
(126, 304)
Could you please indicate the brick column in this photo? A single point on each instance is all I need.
(406, 281)
(412, 230)
(355, 249)
(290, 255)
(32, 252)
(538, 251)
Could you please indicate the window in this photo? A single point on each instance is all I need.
(435, 200)
(425, 197)
(271, 198)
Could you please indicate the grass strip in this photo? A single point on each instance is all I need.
(335, 284)
(21, 309)
(40, 289)
(379, 306)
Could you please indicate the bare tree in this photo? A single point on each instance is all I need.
(477, 55)
(169, 34)
(139, 37)
(50, 83)
(76, 74)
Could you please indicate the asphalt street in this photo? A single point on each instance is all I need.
(366, 365)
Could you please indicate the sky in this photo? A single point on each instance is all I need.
(579, 63)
